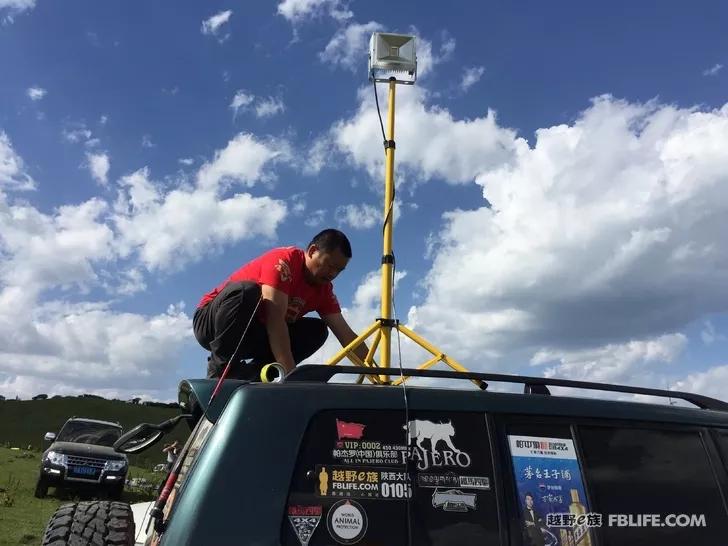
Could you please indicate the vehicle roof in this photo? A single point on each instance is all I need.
(97, 421)
(338, 395)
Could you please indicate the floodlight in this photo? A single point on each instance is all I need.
(392, 56)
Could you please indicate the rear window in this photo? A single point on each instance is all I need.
(354, 481)
(637, 471)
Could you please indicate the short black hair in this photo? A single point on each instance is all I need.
(528, 494)
(331, 239)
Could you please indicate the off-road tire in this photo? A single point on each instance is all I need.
(41, 488)
(97, 523)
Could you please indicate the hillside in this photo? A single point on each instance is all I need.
(23, 423)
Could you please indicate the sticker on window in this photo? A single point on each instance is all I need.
(549, 481)
(347, 522)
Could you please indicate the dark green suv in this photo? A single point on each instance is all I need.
(312, 462)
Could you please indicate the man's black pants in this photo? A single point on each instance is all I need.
(219, 325)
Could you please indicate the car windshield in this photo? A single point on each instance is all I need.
(84, 432)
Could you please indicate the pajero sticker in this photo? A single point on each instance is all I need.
(421, 431)
(347, 522)
(451, 479)
(362, 483)
(304, 520)
(454, 500)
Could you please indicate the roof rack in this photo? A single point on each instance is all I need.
(532, 385)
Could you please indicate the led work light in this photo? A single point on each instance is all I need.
(392, 56)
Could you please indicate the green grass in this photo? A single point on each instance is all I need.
(23, 517)
(23, 423)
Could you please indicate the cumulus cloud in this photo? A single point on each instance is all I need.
(614, 362)
(349, 47)
(241, 161)
(431, 143)
(36, 93)
(262, 106)
(13, 175)
(605, 230)
(713, 70)
(76, 132)
(296, 11)
(98, 165)
(358, 216)
(213, 25)
(471, 76)
(712, 382)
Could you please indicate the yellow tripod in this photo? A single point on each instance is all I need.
(384, 325)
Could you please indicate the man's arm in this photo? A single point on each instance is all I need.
(276, 305)
(343, 332)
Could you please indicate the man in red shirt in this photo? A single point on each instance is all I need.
(276, 289)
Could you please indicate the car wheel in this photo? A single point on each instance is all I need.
(41, 488)
(86, 523)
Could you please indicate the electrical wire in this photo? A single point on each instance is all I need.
(384, 138)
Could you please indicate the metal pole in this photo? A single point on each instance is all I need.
(387, 262)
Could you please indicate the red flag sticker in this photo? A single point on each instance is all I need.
(354, 431)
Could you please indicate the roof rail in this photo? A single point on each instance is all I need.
(532, 385)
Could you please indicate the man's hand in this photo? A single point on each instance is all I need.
(343, 332)
(276, 305)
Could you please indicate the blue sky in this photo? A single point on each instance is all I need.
(561, 181)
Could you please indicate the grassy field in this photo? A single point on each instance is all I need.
(23, 423)
(23, 517)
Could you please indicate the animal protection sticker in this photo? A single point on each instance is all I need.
(347, 522)
(304, 520)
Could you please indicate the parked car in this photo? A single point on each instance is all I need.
(314, 463)
(82, 456)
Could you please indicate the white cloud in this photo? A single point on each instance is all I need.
(242, 100)
(713, 70)
(349, 47)
(241, 161)
(76, 132)
(430, 142)
(213, 24)
(147, 141)
(36, 93)
(13, 175)
(709, 335)
(358, 216)
(315, 218)
(606, 230)
(269, 107)
(296, 11)
(12, 7)
(471, 76)
(614, 362)
(186, 161)
(103, 120)
(712, 382)
(72, 349)
(98, 165)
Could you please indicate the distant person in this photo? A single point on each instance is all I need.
(172, 451)
(276, 290)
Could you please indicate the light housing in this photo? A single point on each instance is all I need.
(392, 56)
(116, 465)
(56, 458)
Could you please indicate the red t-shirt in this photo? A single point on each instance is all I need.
(282, 268)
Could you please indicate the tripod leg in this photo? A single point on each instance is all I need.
(353, 345)
(438, 354)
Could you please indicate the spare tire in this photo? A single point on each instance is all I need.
(91, 523)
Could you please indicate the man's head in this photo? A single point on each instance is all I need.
(529, 501)
(326, 256)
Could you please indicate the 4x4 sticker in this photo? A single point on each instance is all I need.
(453, 500)
(347, 522)
(304, 520)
